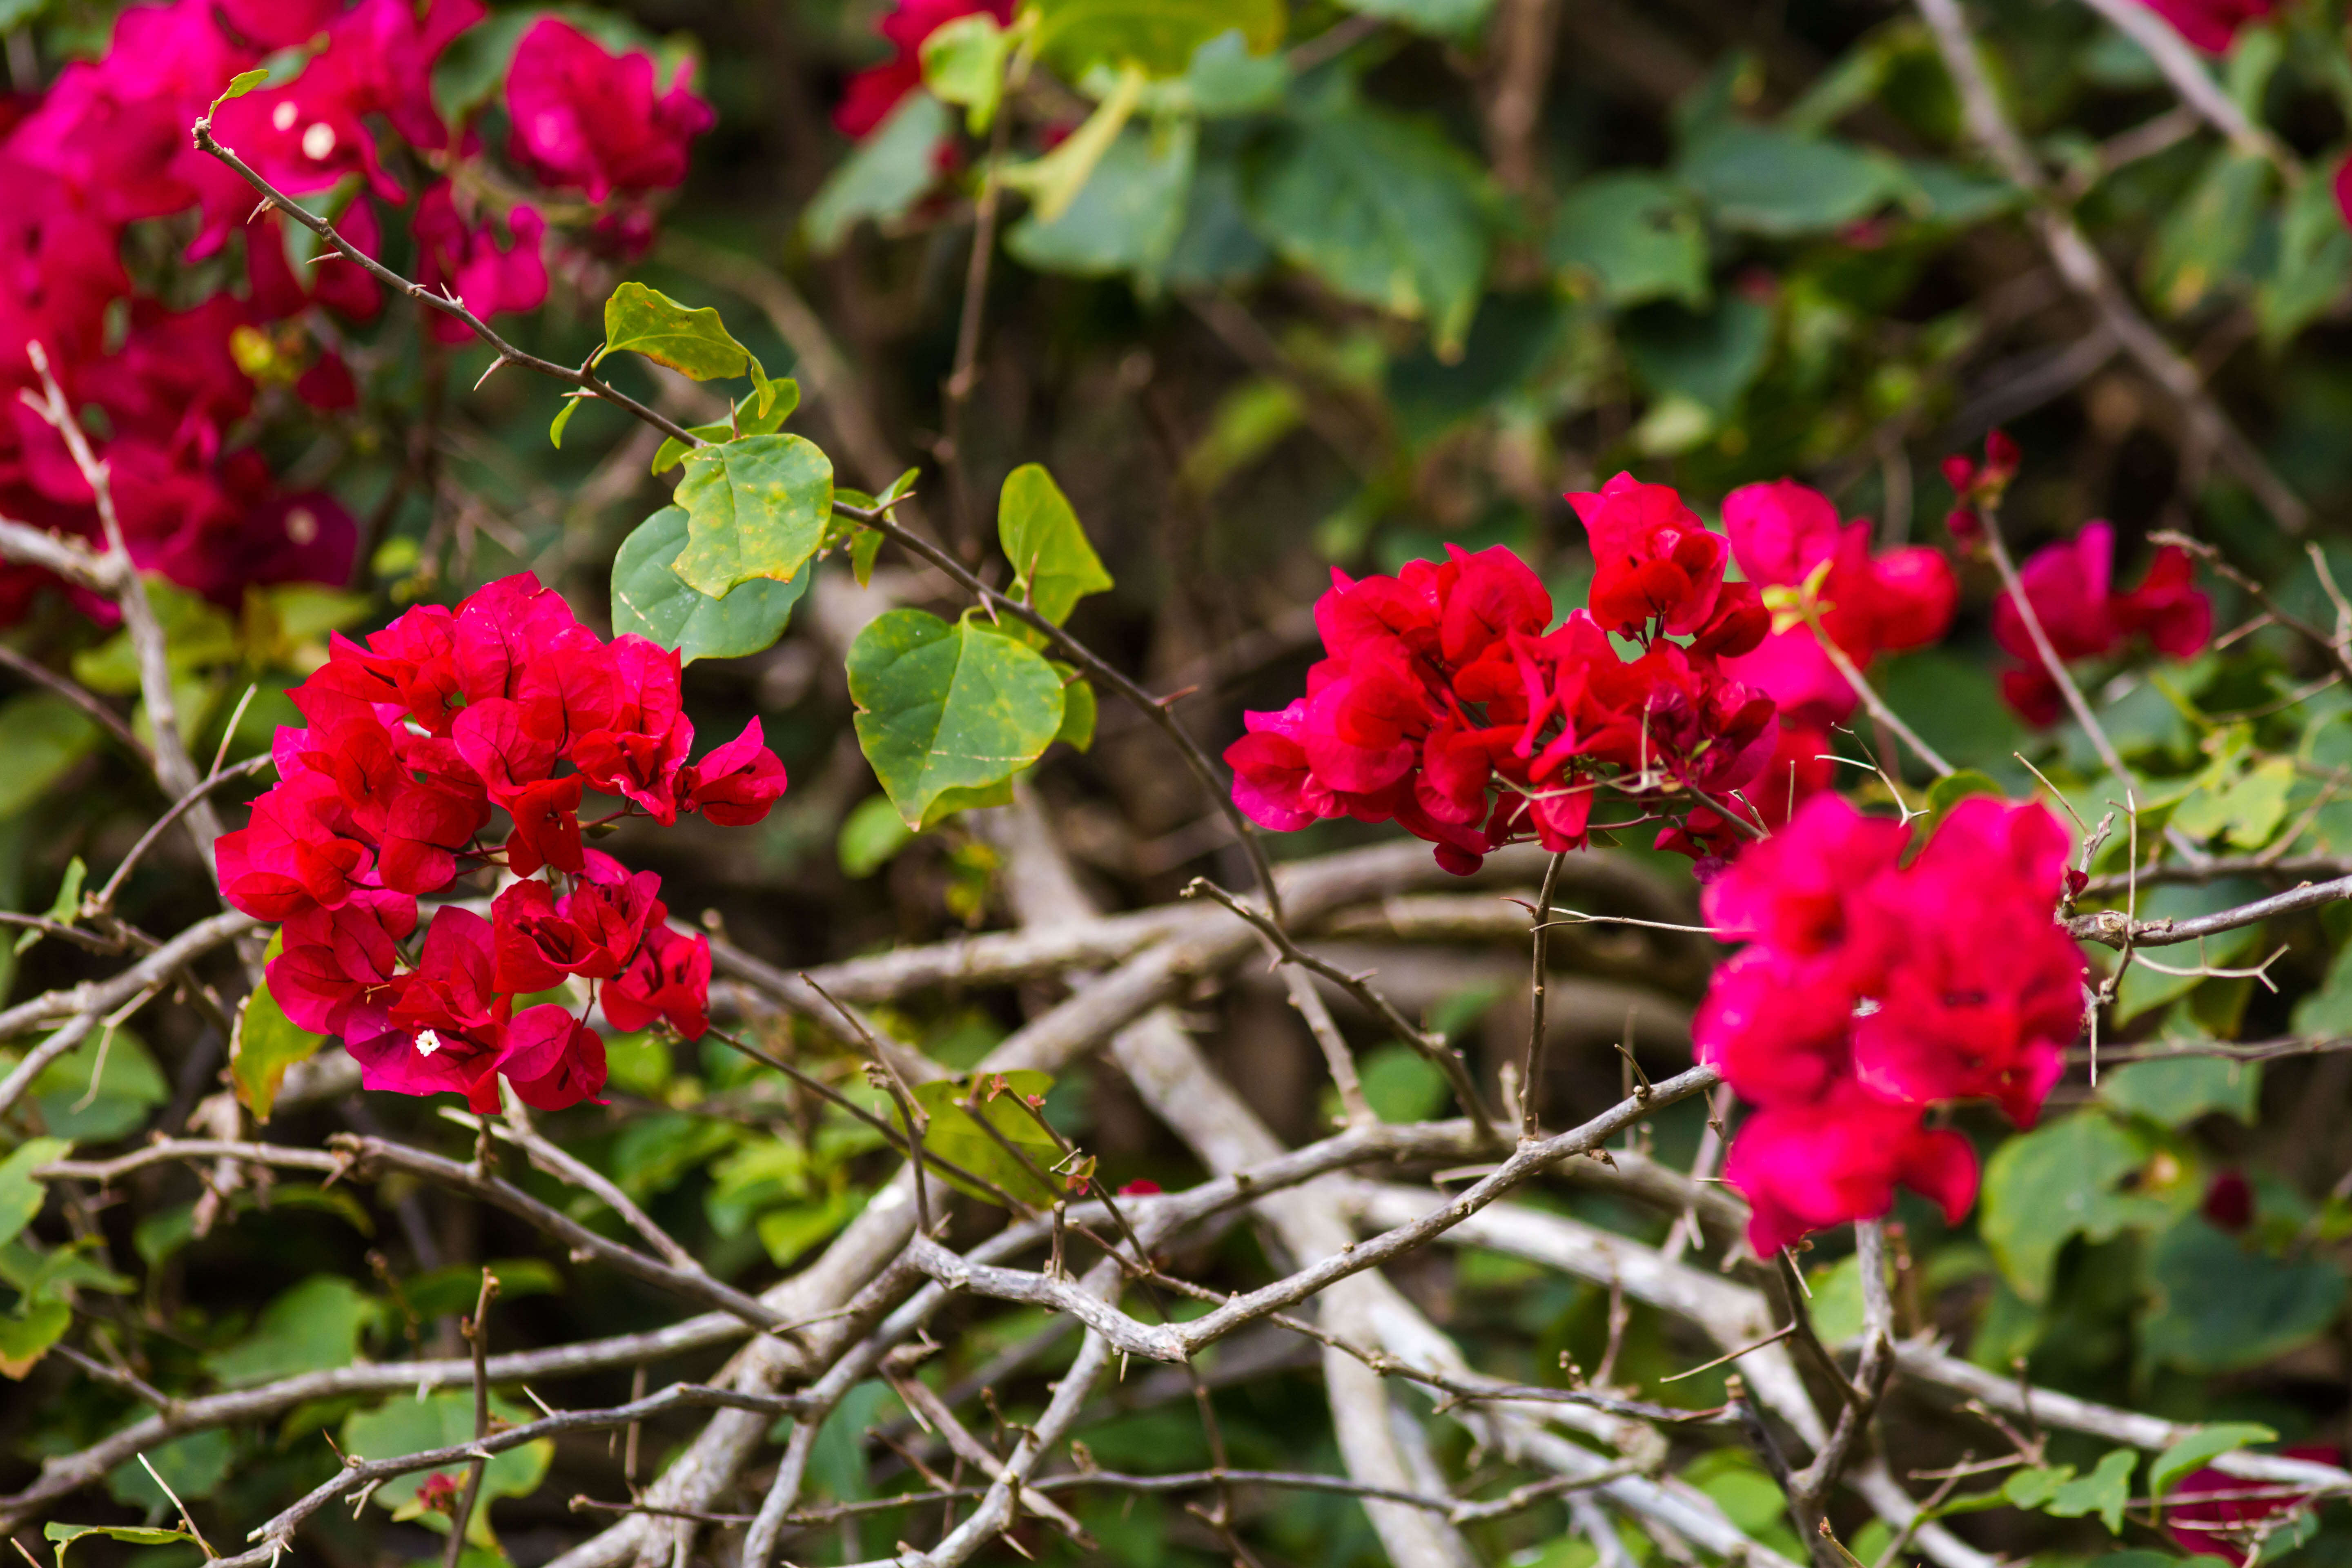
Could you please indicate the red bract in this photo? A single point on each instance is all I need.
(2211, 24)
(1652, 557)
(1875, 992)
(2228, 1527)
(490, 274)
(2071, 587)
(416, 737)
(873, 93)
(588, 119)
(1446, 706)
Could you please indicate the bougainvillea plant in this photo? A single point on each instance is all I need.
(1421, 921)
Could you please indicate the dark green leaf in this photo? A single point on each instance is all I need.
(128, 1086)
(1771, 182)
(1382, 209)
(1711, 360)
(694, 342)
(2313, 265)
(41, 735)
(782, 394)
(2177, 1090)
(1053, 566)
(1635, 235)
(314, 1326)
(653, 601)
(194, 1466)
(1160, 36)
(947, 707)
(2224, 1306)
(885, 177)
(2060, 1180)
(1226, 77)
(2034, 1487)
(755, 508)
(2201, 1448)
(955, 1134)
(2203, 237)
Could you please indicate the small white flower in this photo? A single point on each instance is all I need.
(427, 1042)
(318, 140)
(284, 115)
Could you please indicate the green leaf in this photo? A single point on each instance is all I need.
(1158, 36)
(406, 1424)
(314, 1326)
(945, 707)
(2177, 1090)
(65, 1536)
(1226, 79)
(238, 86)
(2313, 265)
(41, 735)
(199, 634)
(20, 1195)
(781, 396)
(66, 908)
(2202, 239)
(2057, 1182)
(755, 508)
(194, 1466)
(1128, 217)
(1053, 181)
(963, 63)
(871, 837)
(1709, 361)
(693, 342)
(128, 1087)
(884, 177)
(266, 1042)
(25, 1337)
(1955, 787)
(1635, 235)
(2224, 1307)
(2247, 804)
(954, 1133)
(1382, 209)
(2201, 1448)
(1766, 180)
(1439, 18)
(2103, 1491)
(2034, 1487)
(1078, 711)
(36, 1273)
(1053, 566)
(651, 600)
(788, 1233)
(2145, 989)
(562, 418)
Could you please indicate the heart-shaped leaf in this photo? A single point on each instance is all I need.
(653, 601)
(755, 508)
(1053, 564)
(945, 708)
(693, 342)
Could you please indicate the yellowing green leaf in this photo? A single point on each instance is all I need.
(693, 342)
(266, 1042)
(945, 706)
(755, 508)
(963, 63)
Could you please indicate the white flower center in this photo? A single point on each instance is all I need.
(284, 115)
(318, 140)
(302, 525)
(427, 1042)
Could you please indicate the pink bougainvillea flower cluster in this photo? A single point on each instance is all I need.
(180, 385)
(2071, 587)
(874, 92)
(417, 740)
(1889, 602)
(1446, 706)
(1873, 991)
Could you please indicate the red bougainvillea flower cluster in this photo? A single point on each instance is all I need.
(1445, 705)
(415, 740)
(874, 92)
(1872, 991)
(2071, 587)
(1782, 534)
(107, 147)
